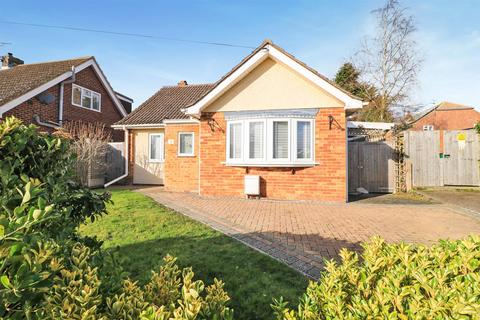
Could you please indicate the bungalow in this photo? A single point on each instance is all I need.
(272, 126)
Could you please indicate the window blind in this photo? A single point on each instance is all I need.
(235, 141)
(280, 139)
(304, 140)
(256, 133)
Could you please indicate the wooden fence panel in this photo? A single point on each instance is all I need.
(461, 158)
(440, 158)
(422, 149)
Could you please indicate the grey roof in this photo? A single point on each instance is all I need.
(166, 104)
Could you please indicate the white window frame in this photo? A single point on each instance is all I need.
(246, 144)
(150, 135)
(82, 92)
(193, 144)
(242, 142)
(268, 160)
(312, 141)
(428, 127)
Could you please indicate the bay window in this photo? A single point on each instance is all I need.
(270, 141)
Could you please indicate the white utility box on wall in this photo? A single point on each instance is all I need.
(252, 185)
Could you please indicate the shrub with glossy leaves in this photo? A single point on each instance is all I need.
(48, 271)
(396, 281)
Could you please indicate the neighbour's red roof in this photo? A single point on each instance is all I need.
(448, 116)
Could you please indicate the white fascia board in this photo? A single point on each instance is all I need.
(138, 126)
(370, 125)
(261, 55)
(181, 121)
(32, 93)
(227, 83)
(106, 84)
(350, 103)
(120, 97)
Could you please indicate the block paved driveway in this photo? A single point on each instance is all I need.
(303, 233)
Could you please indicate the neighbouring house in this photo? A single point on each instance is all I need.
(271, 125)
(447, 116)
(49, 94)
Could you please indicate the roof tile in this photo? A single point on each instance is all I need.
(21, 79)
(166, 104)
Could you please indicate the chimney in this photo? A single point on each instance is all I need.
(9, 61)
(182, 83)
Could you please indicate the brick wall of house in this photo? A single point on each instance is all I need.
(28, 109)
(86, 78)
(181, 172)
(326, 181)
(109, 114)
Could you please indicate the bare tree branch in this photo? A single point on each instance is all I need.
(389, 61)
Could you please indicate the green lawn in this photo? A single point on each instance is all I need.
(143, 232)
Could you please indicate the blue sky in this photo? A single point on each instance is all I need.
(323, 34)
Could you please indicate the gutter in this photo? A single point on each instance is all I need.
(60, 101)
(126, 162)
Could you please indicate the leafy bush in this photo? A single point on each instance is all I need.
(396, 281)
(477, 127)
(47, 271)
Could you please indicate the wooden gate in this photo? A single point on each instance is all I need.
(441, 158)
(371, 165)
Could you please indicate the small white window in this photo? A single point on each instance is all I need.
(77, 96)
(304, 140)
(428, 127)
(185, 143)
(280, 140)
(235, 140)
(256, 134)
(156, 147)
(85, 98)
(96, 101)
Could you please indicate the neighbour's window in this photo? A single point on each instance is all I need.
(156, 146)
(428, 127)
(287, 141)
(185, 143)
(85, 98)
